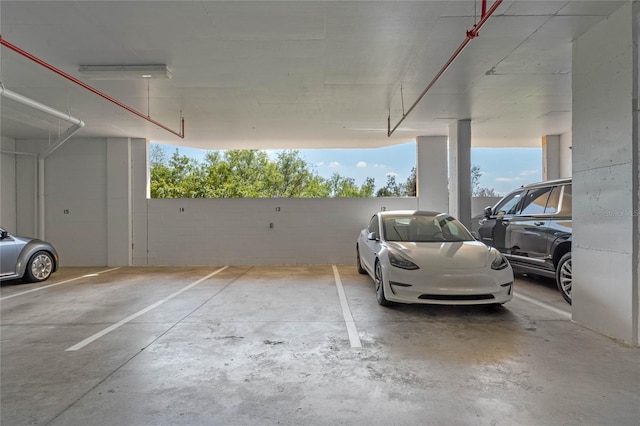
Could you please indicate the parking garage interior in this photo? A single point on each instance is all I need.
(250, 311)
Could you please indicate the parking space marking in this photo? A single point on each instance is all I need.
(543, 305)
(95, 274)
(354, 338)
(120, 323)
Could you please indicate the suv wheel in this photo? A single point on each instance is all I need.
(564, 276)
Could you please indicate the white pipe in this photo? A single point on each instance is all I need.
(76, 125)
(39, 106)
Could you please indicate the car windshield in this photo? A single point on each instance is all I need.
(424, 229)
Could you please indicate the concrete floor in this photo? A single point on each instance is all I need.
(269, 345)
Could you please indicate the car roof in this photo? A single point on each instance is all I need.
(547, 183)
(411, 213)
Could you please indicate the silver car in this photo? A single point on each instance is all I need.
(31, 259)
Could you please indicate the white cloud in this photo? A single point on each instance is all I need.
(379, 166)
(361, 164)
(320, 164)
(505, 179)
(334, 164)
(391, 174)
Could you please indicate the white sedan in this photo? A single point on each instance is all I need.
(429, 257)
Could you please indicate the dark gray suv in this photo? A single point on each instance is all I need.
(532, 227)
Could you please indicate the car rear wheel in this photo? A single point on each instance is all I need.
(382, 300)
(564, 276)
(39, 268)
(361, 270)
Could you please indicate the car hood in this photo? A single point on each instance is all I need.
(441, 255)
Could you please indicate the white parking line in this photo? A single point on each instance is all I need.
(107, 330)
(95, 274)
(354, 338)
(543, 305)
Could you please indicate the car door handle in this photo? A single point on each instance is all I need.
(538, 223)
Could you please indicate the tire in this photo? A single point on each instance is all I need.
(361, 270)
(379, 282)
(39, 268)
(564, 276)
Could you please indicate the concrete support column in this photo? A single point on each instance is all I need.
(551, 157)
(119, 217)
(460, 171)
(140, 192)
(432, 173)
(606, 180)
(566, 154)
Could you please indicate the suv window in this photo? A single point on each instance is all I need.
(509, 204)
(535, 201)
(565, 209)
(554, 200)
(373, 225)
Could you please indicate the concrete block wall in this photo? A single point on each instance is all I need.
(258, 231)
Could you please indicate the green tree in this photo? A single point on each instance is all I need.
(177, 177)
(295, 178)
(476, 190)
(245, 173)
(392, 188)
(411, 187)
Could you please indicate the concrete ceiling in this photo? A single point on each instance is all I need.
(297, 74)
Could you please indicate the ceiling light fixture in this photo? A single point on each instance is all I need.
(124, 72)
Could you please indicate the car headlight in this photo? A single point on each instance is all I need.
(401, 262)
(498, 261)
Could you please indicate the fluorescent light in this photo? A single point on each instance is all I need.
(124, 72)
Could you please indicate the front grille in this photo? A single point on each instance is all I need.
(457, 296)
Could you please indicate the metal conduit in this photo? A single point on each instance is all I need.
(471, 34)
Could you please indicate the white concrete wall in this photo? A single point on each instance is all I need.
(605, 171)
(8, 198)
(566, 154)
(238, 232)
(119, 208)
(76, 202)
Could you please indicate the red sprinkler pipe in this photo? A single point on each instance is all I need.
(91, 89)
(471, 34)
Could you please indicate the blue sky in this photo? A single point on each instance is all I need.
(503, 169)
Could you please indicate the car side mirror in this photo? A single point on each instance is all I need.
(4, 234)
(488, 211)
(475, 235)
(373, 236)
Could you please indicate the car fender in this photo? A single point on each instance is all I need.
(31, 248)
(558, 247)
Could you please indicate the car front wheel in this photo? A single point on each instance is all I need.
(564, 277)
(382, 300)
(39, 268)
